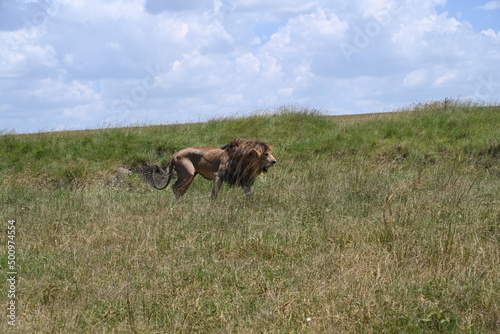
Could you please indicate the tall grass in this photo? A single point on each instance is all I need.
(385, 225)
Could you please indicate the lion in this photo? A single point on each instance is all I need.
(237, 163)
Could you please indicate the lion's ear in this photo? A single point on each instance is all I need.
(254, 153)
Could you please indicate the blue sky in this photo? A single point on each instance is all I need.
(79, 64)
(480, 14)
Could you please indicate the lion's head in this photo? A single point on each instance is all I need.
(246, 160)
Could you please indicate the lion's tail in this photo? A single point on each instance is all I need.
(170, 169)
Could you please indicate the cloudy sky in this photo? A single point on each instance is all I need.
(79, 64)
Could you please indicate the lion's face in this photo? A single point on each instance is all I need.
(262, 160)
(266, 161)
(247, 160)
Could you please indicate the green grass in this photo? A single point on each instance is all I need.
(385, 224)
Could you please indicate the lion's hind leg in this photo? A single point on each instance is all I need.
(185, 175)
(181, 186)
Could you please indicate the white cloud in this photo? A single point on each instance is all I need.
(99, 11)
(82, 63)
(495, 35)
(248, 63)
(445, 78)
(277, 8)
(158, 6)
(58, 91)
(428, 34)
(319, 28)
(21, 54)
(416, 78)
(491, 5)
(82, 112)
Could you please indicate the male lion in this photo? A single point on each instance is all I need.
(237, 163)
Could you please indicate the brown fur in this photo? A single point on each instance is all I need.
(237, 163)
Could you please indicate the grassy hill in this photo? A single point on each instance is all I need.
(374, 224)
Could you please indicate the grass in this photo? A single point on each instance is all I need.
(385, 224)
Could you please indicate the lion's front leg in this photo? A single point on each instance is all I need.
(216, 186)
(248, 192)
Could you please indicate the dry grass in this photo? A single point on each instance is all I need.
(394, 240)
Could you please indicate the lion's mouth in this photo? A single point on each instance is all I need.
(265, 168)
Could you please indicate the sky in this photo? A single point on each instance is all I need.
(84, 64)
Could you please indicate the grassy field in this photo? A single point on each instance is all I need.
(383, 224)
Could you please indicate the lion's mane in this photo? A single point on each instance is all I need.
(242, 157)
